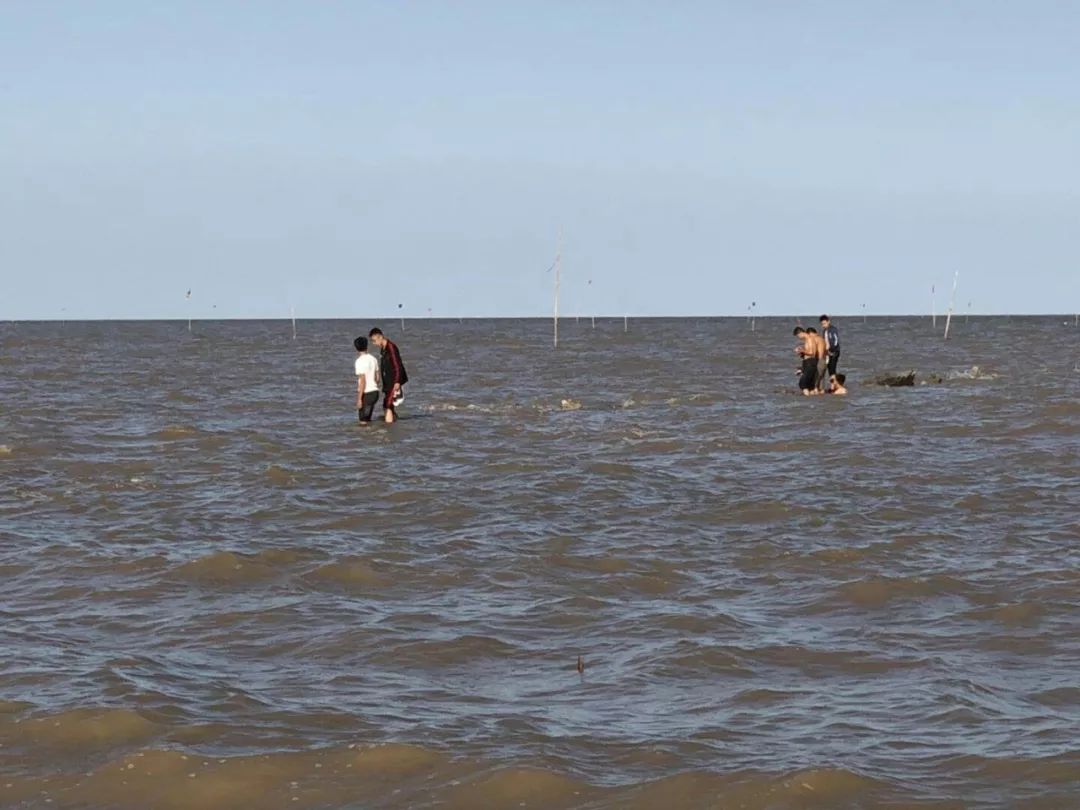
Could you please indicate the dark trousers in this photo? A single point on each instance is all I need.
(370, 400)
(834, 358)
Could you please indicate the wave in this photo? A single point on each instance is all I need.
(973, 373)
(401, 775)
(876, 592)
(1014, 615)
(174, 432)
(116, 758)
(350, 573)
(1065, 696)
(77, 730)
(279, 475)
(449, 652)
(227, 567)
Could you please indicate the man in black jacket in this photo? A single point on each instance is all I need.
(393, 373)
(832, 344)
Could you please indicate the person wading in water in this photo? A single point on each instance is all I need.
(832, 344)
(393, 372)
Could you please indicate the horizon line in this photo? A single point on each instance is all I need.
(392, 318)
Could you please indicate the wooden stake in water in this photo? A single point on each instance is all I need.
(933, 307)
(952, 302)
(590, 301)
(292, 314)
(188, 299)
(753, 319)
(557, 266)
(626, 323)
(864, 313)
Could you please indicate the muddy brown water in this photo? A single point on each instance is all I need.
(220, 592)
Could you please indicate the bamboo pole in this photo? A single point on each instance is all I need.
(952, 302)
(558, 269)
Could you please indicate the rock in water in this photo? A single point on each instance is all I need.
(895, 380)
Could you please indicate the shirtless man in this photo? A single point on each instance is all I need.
(838, 386)
(821, 352)
(808, 350)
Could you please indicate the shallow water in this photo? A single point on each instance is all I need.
(220, 592)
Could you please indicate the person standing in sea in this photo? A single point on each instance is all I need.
(821, 353)
(807, 351)
(832, 344)
(393, 373)
(367, 381)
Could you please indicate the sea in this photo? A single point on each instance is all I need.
(635, 571)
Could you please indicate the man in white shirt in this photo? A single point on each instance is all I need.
(367, 380)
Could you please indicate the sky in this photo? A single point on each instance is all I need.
(345, 158)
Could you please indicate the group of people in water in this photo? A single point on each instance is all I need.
(387, 375)
(820, 354)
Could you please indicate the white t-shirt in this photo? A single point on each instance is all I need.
(366, 365)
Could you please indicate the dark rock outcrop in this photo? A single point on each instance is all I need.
(895, 380)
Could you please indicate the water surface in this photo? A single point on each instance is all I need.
(220, 592)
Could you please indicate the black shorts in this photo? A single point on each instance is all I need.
(808, 378)
(370, 400)
(834, 358)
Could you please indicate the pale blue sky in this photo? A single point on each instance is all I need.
(348, 156)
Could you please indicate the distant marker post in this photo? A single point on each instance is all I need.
(952, 303)
(557, 267)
